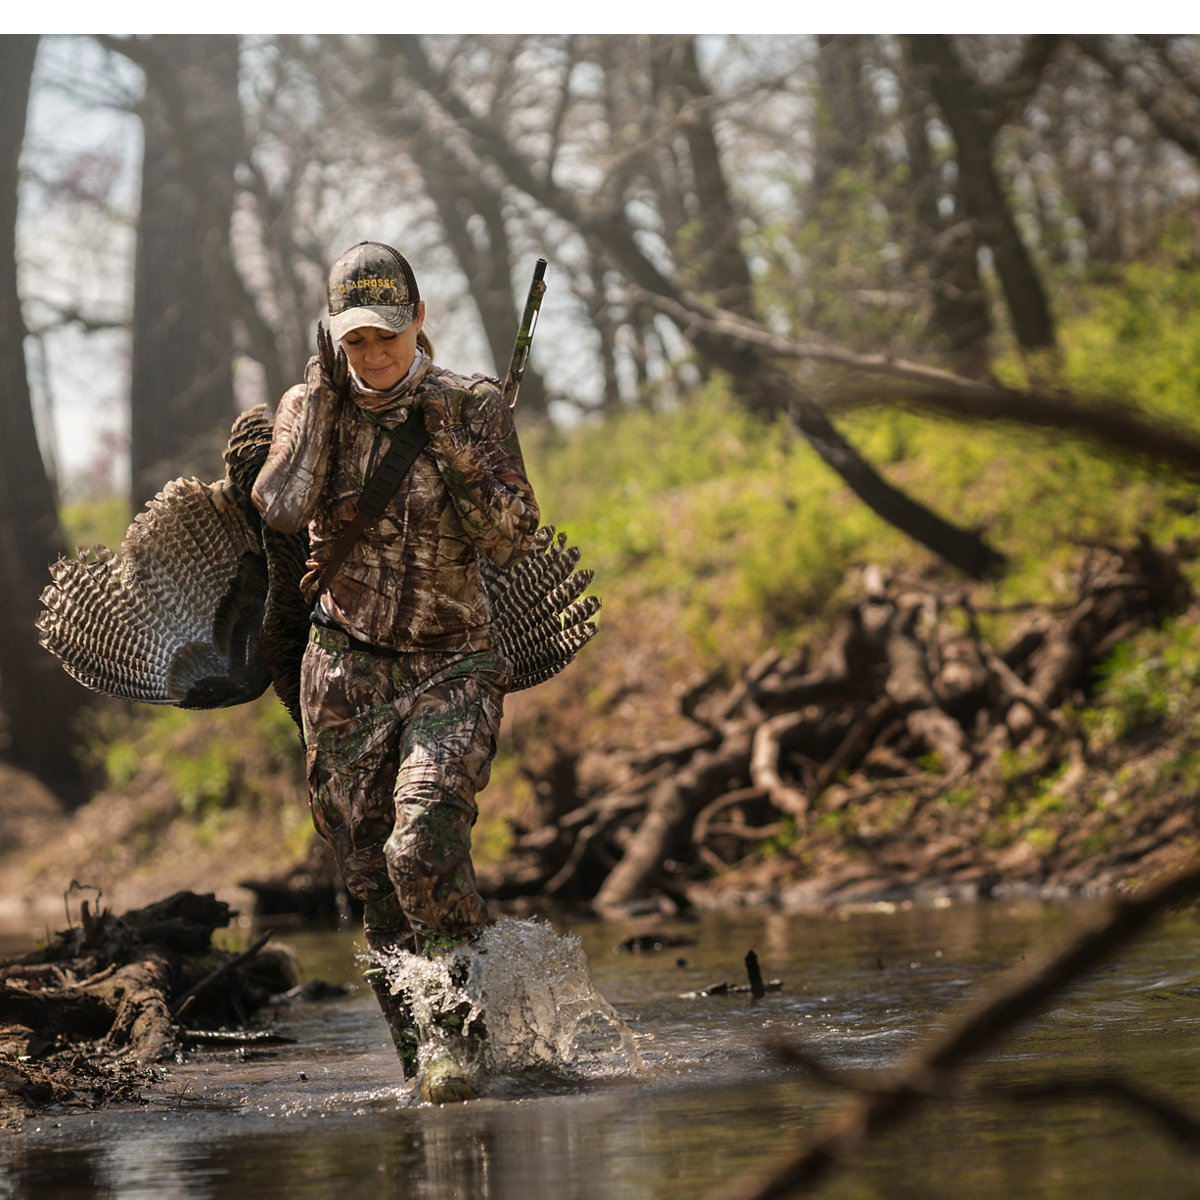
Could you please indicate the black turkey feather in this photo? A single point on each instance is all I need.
(201, 605)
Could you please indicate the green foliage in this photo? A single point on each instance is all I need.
(737, 521)
(203, 782)
(492, 838)
(1147, 683)
(213, 762)
(842, 271)
(1138, 338)
(1133, 340)
(752, 535)
(732, 535)
(120, 759)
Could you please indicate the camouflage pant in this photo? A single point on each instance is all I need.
(398, 747)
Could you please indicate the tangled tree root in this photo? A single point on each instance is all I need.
(892, 742)
(83, 1018)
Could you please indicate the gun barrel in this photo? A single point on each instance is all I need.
(520, 357)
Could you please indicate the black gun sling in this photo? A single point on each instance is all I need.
(407, 442)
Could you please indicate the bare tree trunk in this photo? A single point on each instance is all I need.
(961, 320)
(843, 118)
(459, 193)
(601, 318)
(38, 700)
(181, 401)
(982, 193)
(485, 260)
(716, 259)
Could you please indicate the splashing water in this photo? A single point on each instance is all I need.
(519, 998)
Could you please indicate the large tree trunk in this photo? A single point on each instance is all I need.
(714, 259)
(982, 193)
(38, 700)
(961, 317)
(181, 393)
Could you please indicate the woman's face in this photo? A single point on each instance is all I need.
(379, 357)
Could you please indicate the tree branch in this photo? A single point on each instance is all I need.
(607, 229)
(1171, 110)
(1117, 429)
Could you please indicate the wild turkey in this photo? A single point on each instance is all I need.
(201, 606)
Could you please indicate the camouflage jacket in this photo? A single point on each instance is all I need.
(412, 580)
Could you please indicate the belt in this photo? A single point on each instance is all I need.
(322, 620)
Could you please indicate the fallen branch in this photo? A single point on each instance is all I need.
(757, 990)
(184, 1002)
(817, 750)
(234, 1037)
(1115, 428)
(671, 804)
(98, 997)
(731, 989)
(765, 753)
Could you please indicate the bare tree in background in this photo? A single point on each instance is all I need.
(181, 392)
(945, 245)
(972, 118)
(758, 208)
(38, 700)
(604, 222)
(1155, 79)
(638, 164)
(469, 202)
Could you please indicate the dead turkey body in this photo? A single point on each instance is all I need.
(201, 607)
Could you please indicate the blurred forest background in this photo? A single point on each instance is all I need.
(815, 303)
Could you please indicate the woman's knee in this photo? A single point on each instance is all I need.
(357, 841)
(429, 854)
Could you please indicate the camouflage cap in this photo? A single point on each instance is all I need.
(371, 284)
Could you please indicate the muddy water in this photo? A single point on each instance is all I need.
(326, 1116)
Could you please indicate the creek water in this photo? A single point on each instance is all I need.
(702, 1101)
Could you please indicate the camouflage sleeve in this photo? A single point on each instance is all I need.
(290, 483)
(474, 439)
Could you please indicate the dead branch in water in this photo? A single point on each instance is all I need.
(83, 1017)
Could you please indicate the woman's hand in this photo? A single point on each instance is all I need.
(335, 369)
(442, 412)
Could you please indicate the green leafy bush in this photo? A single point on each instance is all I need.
(1148, 682)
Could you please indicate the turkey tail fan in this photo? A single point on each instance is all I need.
(173, 616)
(538, 616)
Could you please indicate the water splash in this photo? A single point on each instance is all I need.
(518, 999)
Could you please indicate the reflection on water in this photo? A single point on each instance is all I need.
(327, 1115)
